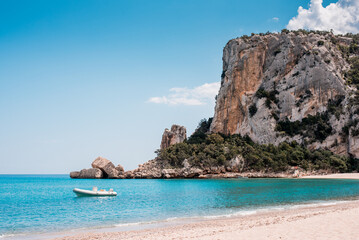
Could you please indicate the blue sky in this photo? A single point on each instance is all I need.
(78, 79)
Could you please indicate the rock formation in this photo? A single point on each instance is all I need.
(177, 134)
(236, 164)
(288, 86)
(106, 167)
(270, 81)
(120, 170)
(101, 168)
(74, 174)
(271, 78)
(157, 169)
(154, 169)
(150, 169)
(87, 173)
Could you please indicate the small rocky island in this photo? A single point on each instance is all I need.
(288, 106)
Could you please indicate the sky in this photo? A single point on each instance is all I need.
(82, 79)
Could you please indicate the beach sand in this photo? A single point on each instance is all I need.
(337, 221)
(336, 176)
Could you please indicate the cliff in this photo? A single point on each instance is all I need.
(289, 86)
(288, 106)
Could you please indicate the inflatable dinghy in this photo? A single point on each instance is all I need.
(94, 192)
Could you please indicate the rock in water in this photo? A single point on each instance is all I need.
(120, 169)
(177, 134)
(109, 170)
(90, 173)
(74, 174)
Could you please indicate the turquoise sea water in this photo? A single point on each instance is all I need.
(32, 204)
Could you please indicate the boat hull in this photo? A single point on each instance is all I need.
(89, 193)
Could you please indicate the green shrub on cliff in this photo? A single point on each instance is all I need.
(252, 109)
(218, 149)
(353, 74)
(320, 43)
(270, 96)
(200, 134)
(314, 127)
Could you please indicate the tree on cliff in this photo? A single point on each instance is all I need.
(218, 150)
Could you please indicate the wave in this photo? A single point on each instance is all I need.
(277, 208)
(155, 222)
(134, 223)
(11, 235)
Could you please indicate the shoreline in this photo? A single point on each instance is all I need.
(303, 221)
(334, 176)
(259, 174)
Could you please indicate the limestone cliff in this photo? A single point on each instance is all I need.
(272, 80)
(290, 86)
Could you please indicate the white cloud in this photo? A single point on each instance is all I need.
(342, 17)
(275, 19)
(193, 97)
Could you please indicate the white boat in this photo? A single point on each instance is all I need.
(94, 192)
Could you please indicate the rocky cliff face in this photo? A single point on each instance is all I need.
(269, 82)
(177, 134)
(292, 86)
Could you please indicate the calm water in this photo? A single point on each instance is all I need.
(46, 203)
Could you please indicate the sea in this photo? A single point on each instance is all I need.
(44, 206)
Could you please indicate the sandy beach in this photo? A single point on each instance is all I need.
(337, 221)
(335, 176)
